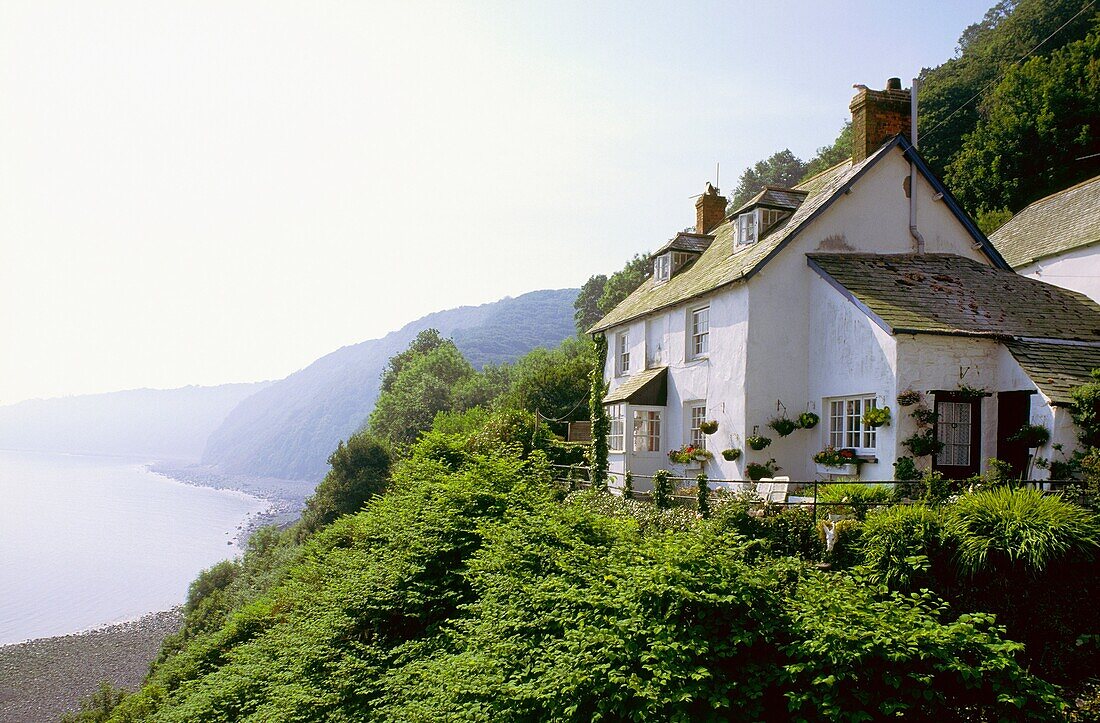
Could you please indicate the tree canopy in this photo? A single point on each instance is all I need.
(780, 169)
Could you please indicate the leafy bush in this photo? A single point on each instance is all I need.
(759, 470)
(472, 594)
(98, 707)
(360, 470)
(1019, 526)
(899, 544)
(853, 498)
(662, 489)
(846, 547)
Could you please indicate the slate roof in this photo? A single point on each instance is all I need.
(1060, 222)
(775, 197)
(725, 263)
(649, 386)
(684, 241)
(722, 263)
(1056, 368)
(948, 294)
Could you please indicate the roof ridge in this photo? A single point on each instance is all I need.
(1074, 187)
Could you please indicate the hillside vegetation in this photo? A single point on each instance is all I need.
(289, 429)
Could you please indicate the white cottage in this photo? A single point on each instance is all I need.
(832, 298)
(1057, 239)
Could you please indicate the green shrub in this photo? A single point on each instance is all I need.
(786, 533)
(846, 548)
(1019, 526)
(852, 498)
(98, 707)
(899, 544)
(360, 470)
(702, 496)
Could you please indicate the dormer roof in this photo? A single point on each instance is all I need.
(786, 199)
(695, 243)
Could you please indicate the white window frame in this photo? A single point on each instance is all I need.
(844, 428)
(622, 353)
(698, 341)
(746, 228)
(695, 413)
(616, 437)
(662, 267)
(646, 425)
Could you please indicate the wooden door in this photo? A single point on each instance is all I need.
(1013, 412)
(959, 427)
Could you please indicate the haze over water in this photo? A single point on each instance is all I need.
(86, 541)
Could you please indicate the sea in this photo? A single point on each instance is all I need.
(87, 541)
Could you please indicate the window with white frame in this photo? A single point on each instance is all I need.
(699, 333)
(846, 428)
(647, 430)
(622, 364)
(746, 228)
(662, 267)
(615, 437)
(696, 415)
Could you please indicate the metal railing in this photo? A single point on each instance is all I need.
(793, 488)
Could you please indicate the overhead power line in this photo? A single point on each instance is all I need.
(1010, 66)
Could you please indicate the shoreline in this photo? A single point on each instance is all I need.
(285, 498)
(43, 678)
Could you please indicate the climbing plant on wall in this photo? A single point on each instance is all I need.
(601, 424)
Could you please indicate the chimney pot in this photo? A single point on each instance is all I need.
(710, 210)
(893, 84)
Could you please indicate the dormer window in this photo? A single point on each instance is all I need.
(662, 267)
(751, 224)
(746, 228)
(667, 264)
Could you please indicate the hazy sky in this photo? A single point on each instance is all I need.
(206, 192)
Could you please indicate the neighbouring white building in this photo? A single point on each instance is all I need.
(1057, 239)
(832, 298)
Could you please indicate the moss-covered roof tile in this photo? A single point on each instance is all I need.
(1060, 222)
(725, 262)
(948, 294)
(1057, 369)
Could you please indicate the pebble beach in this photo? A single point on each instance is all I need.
(42, 679)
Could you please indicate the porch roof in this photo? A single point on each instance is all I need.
(1056, 368)
(954, 295)
(649, 387)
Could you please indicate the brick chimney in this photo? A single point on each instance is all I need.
(878, 116)
(710, 210)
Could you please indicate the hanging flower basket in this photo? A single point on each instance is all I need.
(708, 427)
(876, 417)
(808, 420)
(758, 471)
(1033, 435)
(731, 455)
(783, 426)
(923, 444)
(908, 398)
(757, 442)
(924, 416)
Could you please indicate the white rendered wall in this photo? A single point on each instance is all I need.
(806, 338)
(1077, 270)
(718, 379)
